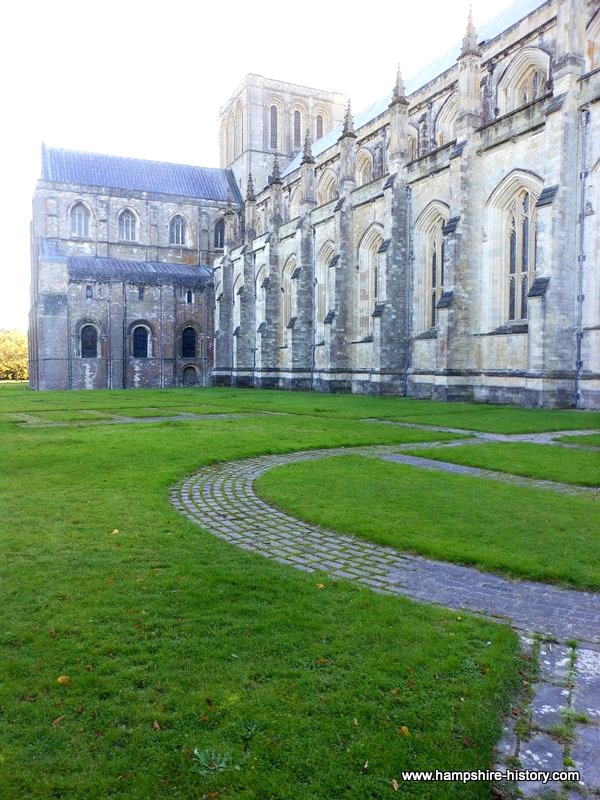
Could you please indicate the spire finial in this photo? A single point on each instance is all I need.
(469, 42)
(250, 196)
(307, 156)
(276, 177)
(399, 94)
(348, 129)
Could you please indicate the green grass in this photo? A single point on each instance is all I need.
(521, 532)
(472, 416)
(544, 461)
(174, 641)
(590, 439)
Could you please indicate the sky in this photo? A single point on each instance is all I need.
(146, 79)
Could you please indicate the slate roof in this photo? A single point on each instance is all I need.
(95, 268)
(500, 23)
(95, 169)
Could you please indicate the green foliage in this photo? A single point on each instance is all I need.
(13, 355)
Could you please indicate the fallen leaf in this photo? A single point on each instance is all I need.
(156, 726)
(355, 721)
(64, 680)
(403, 731)
(89, 667)
(116, 530)
(52, 633)
(395, 784)
(322, 661)
(395, 692)
(320, 585)
(57, 721)
(79, 710)
(366, 765)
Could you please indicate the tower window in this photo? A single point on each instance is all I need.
(319, 126)
(80, 218)
(177, 231)
(219, 237)
(188, 343)
(273, 127)
(297, 129)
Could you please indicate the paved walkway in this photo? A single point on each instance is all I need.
(222, 500)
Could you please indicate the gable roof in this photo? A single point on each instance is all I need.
(95, 169)
(121, 269)
(500, 23)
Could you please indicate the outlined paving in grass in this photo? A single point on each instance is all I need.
(222, 500)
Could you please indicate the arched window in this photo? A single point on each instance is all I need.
(520, 252)
(524, 80)
(435, 267)
(368, 278)
(140, 342)
(273, 127)
(89, 292)
(445, 121)
(364, 167)
(239, 131)
(295, 196)
(89, 342)
(80, 221)
(177, 230)
(219, 234)
(412, 148)
(319, 130)
(429, 275)
(324, 289)
(261, 295)
(509, 249)
(297, 129)
(288, 299)
(327, 187)
(127, 226)
(188, 343)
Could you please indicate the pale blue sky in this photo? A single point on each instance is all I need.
(146, 80)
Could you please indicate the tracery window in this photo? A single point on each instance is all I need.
(435, 262)
(368, 278)
(177, 231)
(80, 220)
(327, 187)
(89, 342)
(533, 87)
(273, 127)
(288, 299)
(140, 342)
(188, 343)
(324, 289)
(364, 168)
(520, 255)
(127, 226)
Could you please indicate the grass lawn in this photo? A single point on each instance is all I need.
(169, 642)
(522, 532)
(548, 462)
(591, 438)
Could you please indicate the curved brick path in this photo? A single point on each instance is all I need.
(222, 500)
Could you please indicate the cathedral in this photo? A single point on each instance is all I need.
(442, 243)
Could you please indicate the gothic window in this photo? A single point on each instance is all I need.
(288, 300)
(520, 253)
(273, 127)
(219, 233)
(364, 168)
(89, 292)
(80, 221)
(319, 126)
(89, 342)
(177, 230)
(140, 342)
(412, 148)
(524, 80)
(189, 296)
(429, 273)
(127, 226)
(367, 283)
(435, 264)
(295, 202)
(445, 122)
(188, 343)
(261, 295)
(593, 44)
(324, 289)
(327, 187)
(140, 292)
(297, 129)
(239, 131)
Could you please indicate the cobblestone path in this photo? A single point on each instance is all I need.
(222, 500)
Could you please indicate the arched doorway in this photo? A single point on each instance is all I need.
(190, 377)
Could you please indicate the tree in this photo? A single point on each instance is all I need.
(13, 355)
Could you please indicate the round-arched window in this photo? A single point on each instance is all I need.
(89, 342)
(140, 342)
(188, 343)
